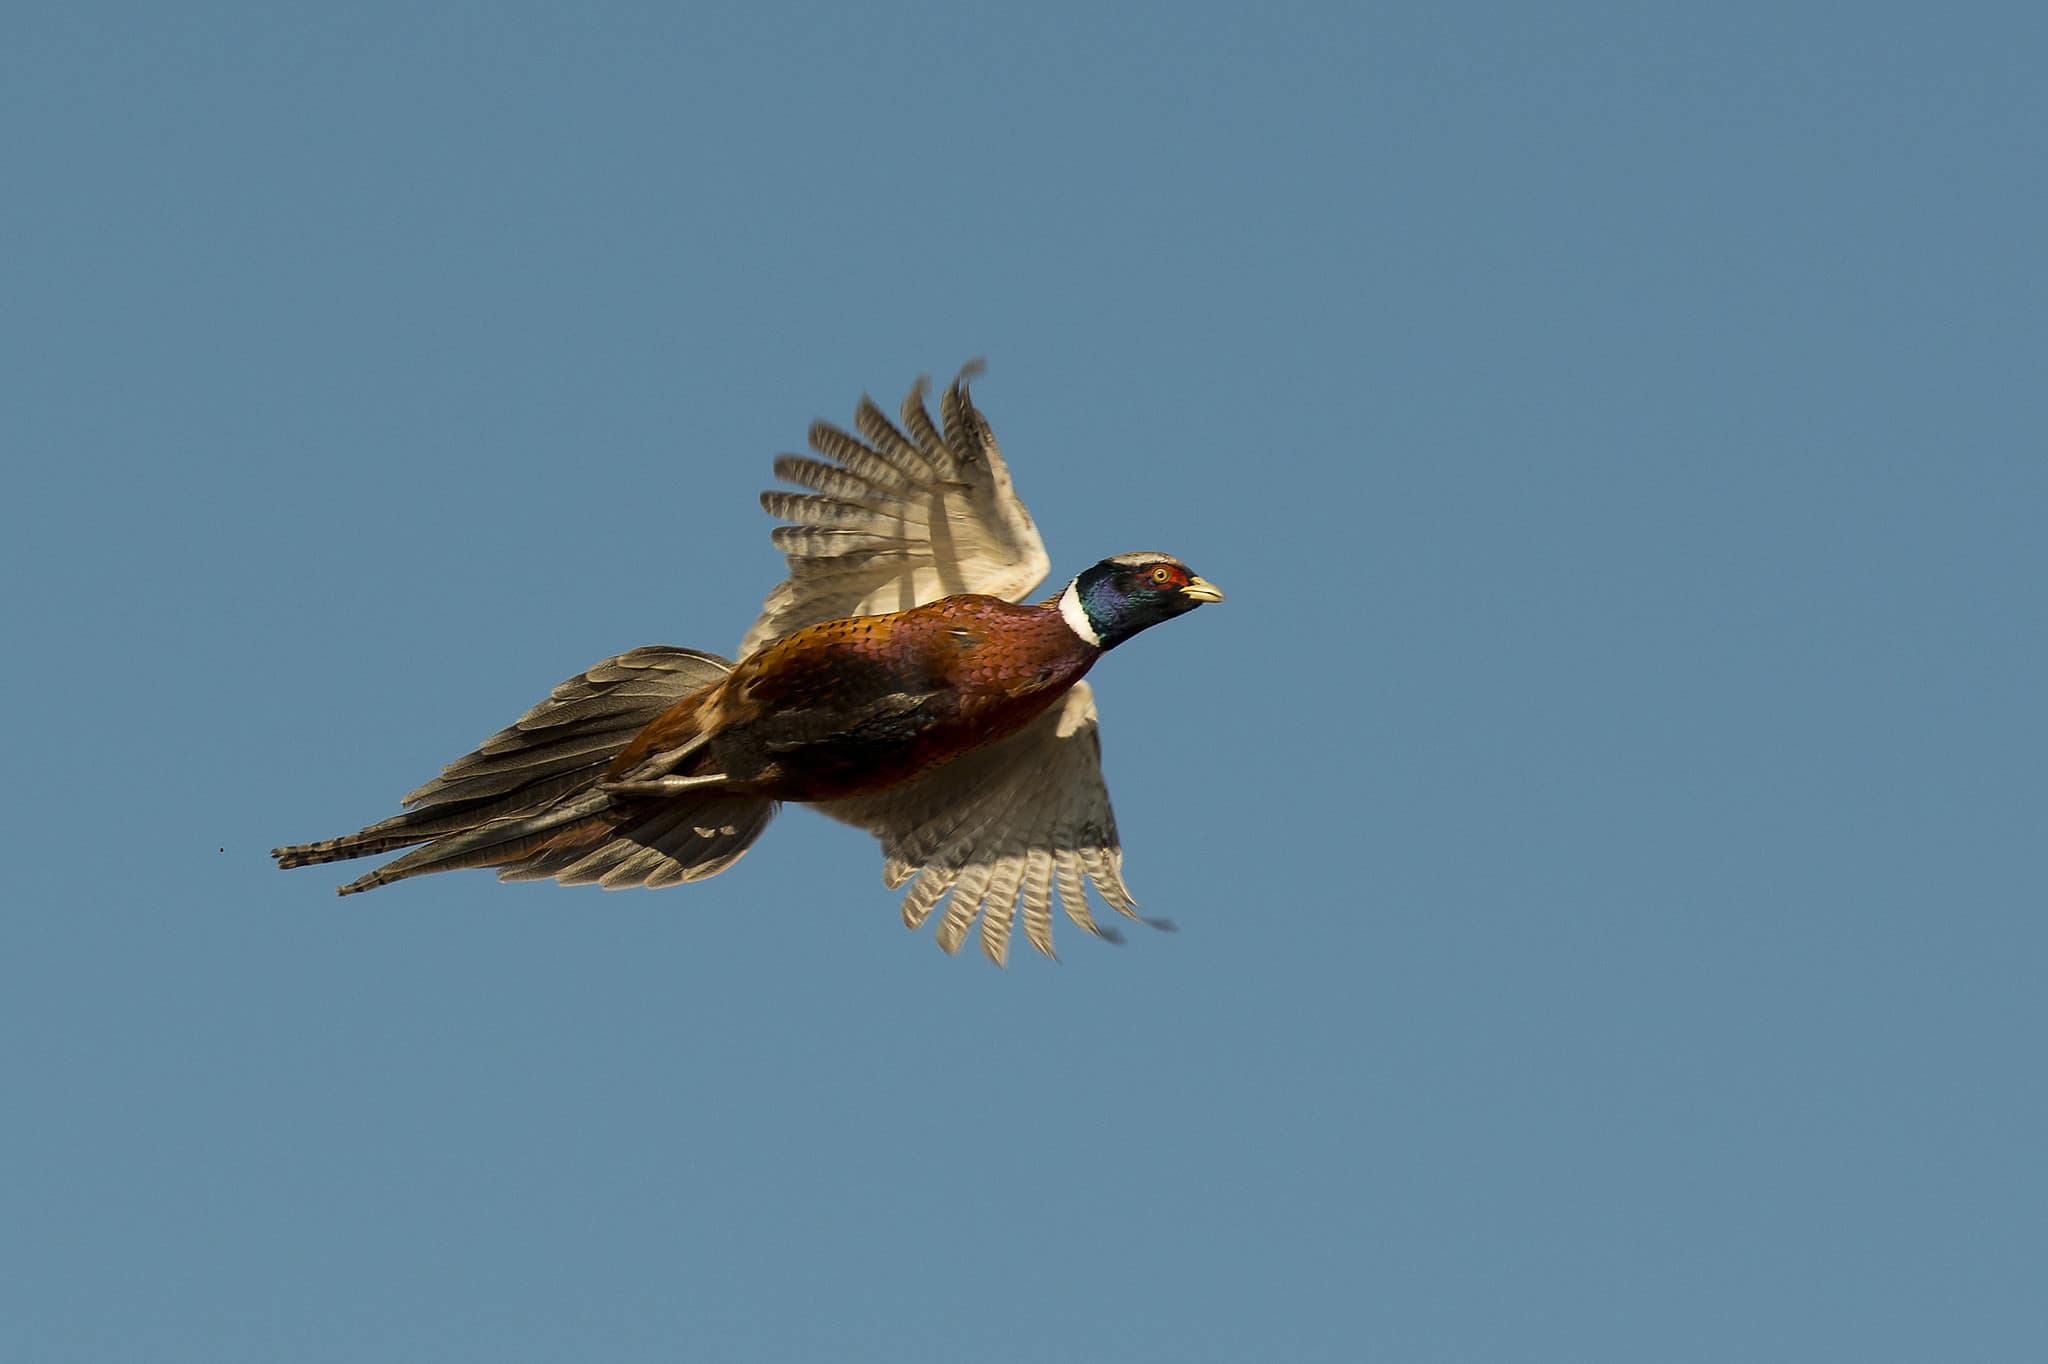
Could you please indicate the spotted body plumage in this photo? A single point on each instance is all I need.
(956, 727)
(854, 706)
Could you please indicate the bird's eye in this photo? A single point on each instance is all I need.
(1162, 574)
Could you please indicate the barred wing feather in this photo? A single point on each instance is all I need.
(897, 516)
(1001, 828)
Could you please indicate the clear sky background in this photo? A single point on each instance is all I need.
(1605, 823)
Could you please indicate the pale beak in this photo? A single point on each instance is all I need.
(1201, 589)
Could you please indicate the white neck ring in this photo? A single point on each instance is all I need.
(1076, 616)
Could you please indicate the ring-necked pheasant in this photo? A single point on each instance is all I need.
(893, 681)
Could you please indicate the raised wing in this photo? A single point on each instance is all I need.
(898, 517)
(1002, 826)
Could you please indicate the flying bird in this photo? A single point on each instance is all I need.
(895, 681)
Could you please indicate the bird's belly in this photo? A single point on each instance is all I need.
(872, 753)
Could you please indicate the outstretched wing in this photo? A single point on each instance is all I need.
(1002, 826)
(897, 517)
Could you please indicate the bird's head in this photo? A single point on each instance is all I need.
(1118, 597)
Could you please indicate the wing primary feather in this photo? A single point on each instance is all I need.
(1038, 901)
(890, 444)
(1101, 867)
(964, 904)
(966, 432)
(917, 420)
(924, 893)
(1074, 898)
(847, 484)
(999, 907)
(810, 509)
(825, 541)
(878, 465)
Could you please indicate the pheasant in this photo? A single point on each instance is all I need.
(893, 681)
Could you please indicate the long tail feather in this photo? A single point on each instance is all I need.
(524, 800)
(498, 842)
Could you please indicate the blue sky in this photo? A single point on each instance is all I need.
(1604, 823)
